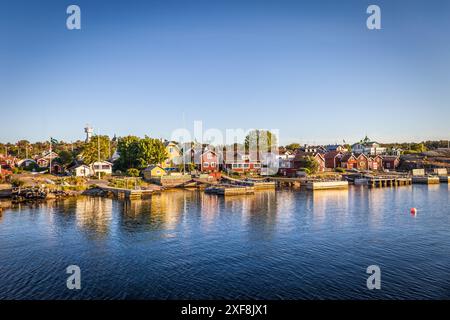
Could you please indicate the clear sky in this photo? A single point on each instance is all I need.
(308, 68)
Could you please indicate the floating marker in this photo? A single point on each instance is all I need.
(413, 211)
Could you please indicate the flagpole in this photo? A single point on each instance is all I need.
(98, 150)
(50, 154)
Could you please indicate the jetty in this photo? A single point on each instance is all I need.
(426, 179)
(256, 184)
(387, 181)
(230, 190)
(325, 185)
(126, 194)
(287, 182)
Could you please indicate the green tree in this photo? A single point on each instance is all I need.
(65, 157)
(133, 172)
(309, 163)
(90, 151)
(139, 153)
(127, 147)
(263, 140)
(293, 146)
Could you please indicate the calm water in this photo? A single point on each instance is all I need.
(184, 244)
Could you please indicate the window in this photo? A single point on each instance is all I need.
(257, 165)
(213, 164)
(246, 165)
(96, 167)
(171, 150)
(234, 165)
(206, 164)
(105, 167)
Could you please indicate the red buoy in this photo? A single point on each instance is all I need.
(413, 211)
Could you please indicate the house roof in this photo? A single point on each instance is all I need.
(390, 158)
(331, 154)
(347, 156)
(153, 166)
(104, 161)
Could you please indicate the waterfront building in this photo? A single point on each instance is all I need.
(362, 162)
(46, 157)
(240, 163)
(104, 167)
(209, 162)
(153, 171)
(376, 163)
(391, 162)
(290, 167)
(348, 161)
(174, 155)
(336, 147)
(332, 159)
(368, 147)
(81, 170)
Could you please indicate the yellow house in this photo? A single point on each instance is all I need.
(154, 171)
(174, 155)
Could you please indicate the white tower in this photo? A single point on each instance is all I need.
(88, 130)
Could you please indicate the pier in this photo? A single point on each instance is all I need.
(326, 185)
(230, 190)
(426, 179)
(256, 184)
(388, 181)
(287, 182)
(128, 194)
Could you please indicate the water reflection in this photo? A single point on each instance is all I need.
(93, 214)
(324, 202)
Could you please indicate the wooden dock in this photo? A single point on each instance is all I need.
(388, 181)
(230, 190)
(288, 182)
(426, 179)
(326, 185)
(256, 184)
(443, 179)
(128, 194)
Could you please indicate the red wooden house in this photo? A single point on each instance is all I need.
(209, 162)
(348, 161)
(332, 159)
(289, 167)
(362, 162)
(391, 162)
(376, 163)
(240, 163)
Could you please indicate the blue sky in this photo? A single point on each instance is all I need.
(308, 68)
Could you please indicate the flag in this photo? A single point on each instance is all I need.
(53, 141)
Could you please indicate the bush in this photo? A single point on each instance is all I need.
(132, 172)
(17, 183)
(306, 170)
(339, 169)
(17, 170)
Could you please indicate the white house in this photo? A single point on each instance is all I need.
(104, 167)
(81, 170)
(368, 147)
